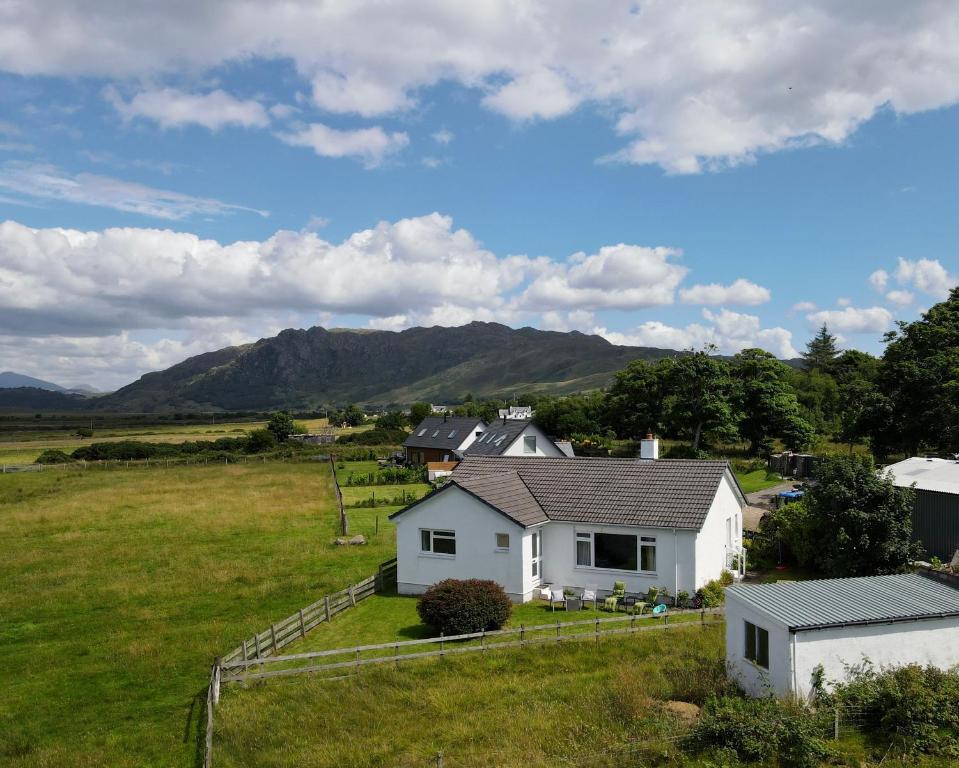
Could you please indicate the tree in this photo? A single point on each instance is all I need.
(766, 402)
(281, 425)
(353, 415)
(392, 420)
(634, 404)
(260, 441)
(919, 384)
(820, 351)
(564, 417)
(860, 521)
(696, 400)
(418, 412)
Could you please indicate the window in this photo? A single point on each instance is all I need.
(757, 645)
(435, 433)
(421, 433)
(502, 541)
(584, 549)
(616, 551)
(451, 435)
(647, 553)
(529, 444)
(438, 542)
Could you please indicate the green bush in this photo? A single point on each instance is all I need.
(52, 456)
(457, 607)
(374, 437)
(260, 441)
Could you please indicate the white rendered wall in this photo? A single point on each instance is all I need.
(753, 679)
(675, 551)
(710, 555)
(544, 446)
(469, 438)
(475, 525)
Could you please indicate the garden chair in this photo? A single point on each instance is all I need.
(590, 593)
(556, 595)
(611, 603)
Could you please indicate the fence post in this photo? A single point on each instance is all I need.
(326, 601)
(835, 724)
(442, 643)
(302, 624)
(522, 634)
(352, 596)
(483, 641)
(439, 759)
(273, 637)
(557, 628)
(597, 629)
(216, 680)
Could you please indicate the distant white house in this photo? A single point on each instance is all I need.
(532, 521)
(514, 437)
(778, 635)
(516, 412)
(935, 514)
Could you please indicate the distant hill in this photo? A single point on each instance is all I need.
(317, 367)
(29, 399)
(11, 380)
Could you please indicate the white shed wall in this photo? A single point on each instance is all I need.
(752, 678)
(711, 543)
(476, 526)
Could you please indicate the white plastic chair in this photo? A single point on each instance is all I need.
(556, 595)
(590, 593)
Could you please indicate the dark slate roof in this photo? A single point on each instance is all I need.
(846, 602)
(507, 493)
(666, 493)
(498, 436)
(461, 426)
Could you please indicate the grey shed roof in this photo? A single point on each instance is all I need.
(658, 494)
(440, 433)
(499, 436)
(804, 605)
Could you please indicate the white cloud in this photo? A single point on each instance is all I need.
(690, 86)
(617, 276)
(900, 298)
(803, 306)
(172, 108)
(443, 136)
(879, 279)
(47, 182)
(577, 320)
(853, 319)
(742, 292)
(371, 145)
(729, 331)
(843, 301)
(926, 275)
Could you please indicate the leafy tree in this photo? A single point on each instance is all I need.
(820, 351)
(766, 402)
(860, 521)
(392, 420)
(696, 402)
(260, 441)
(564, 417)
(635, 400)
(418, 412)
(281, 425)
(353, 415)
(855, 375)
(919, 384)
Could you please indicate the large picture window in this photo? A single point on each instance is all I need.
(615, 551)
(438, 542)
(757, 645)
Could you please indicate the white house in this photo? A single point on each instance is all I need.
(516, 412)
(530, 521)
(777, 635)
(514, 437)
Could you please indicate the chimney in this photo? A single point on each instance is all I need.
(649, 447)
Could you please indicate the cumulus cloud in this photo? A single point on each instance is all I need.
(853, 319)
(47, 182)
(370, 145)
(926, 275)
(729, 331)
(443, 136)
(900, 298)
(741, 292)
(173, 108)
(879, 279)
(689, 86)
(616, 277)
(803, 306)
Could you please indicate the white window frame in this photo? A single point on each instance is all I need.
(755, 633)
(586, 538)
(641, 543)
(429, 536)
(500, 547)
(529, 440)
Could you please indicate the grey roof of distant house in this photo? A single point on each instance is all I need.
(461, 426)
(806, 605)
(499, 436)
(665, 493)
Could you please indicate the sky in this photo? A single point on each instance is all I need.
(178, 177)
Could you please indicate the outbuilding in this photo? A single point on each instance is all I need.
(935, 512)
(779, 636)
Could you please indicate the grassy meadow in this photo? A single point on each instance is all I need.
(120, 586)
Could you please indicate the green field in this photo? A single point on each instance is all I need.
(120, 586)
(757, 480)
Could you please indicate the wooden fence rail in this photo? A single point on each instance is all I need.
(236, 669)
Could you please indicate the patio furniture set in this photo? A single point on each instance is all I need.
(574, 598)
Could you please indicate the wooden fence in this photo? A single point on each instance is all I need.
(212, 699)
(344, 523)
(243, 669)
(292, 628)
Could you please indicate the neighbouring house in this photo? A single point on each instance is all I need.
(935, 513)
(516, 412)
(532, 521)
(779, 635)
(437, 469)
(514, 437)
(441, 438)
(439, 410)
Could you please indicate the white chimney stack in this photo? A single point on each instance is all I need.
(649, 447)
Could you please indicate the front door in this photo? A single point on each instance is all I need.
(537, 559)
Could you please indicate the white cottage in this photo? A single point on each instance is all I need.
(528, 522)
(514, 437)
(777, 635)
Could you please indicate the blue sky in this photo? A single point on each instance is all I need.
(667, 174)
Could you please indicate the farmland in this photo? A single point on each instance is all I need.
(120, 586)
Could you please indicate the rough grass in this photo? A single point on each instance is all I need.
(119, 588)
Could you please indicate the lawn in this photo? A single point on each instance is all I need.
(120, 586)
(757, 480)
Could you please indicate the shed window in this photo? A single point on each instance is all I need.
(502, 541)
(757, 645)
(438, 542)
(529, 444)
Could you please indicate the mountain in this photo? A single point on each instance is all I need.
(29, 399)
(316, 367)
(11, 380)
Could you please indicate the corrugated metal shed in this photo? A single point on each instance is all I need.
(940, 475)
(804, 605)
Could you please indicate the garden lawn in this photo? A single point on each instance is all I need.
(120, 586)
(757, 480)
